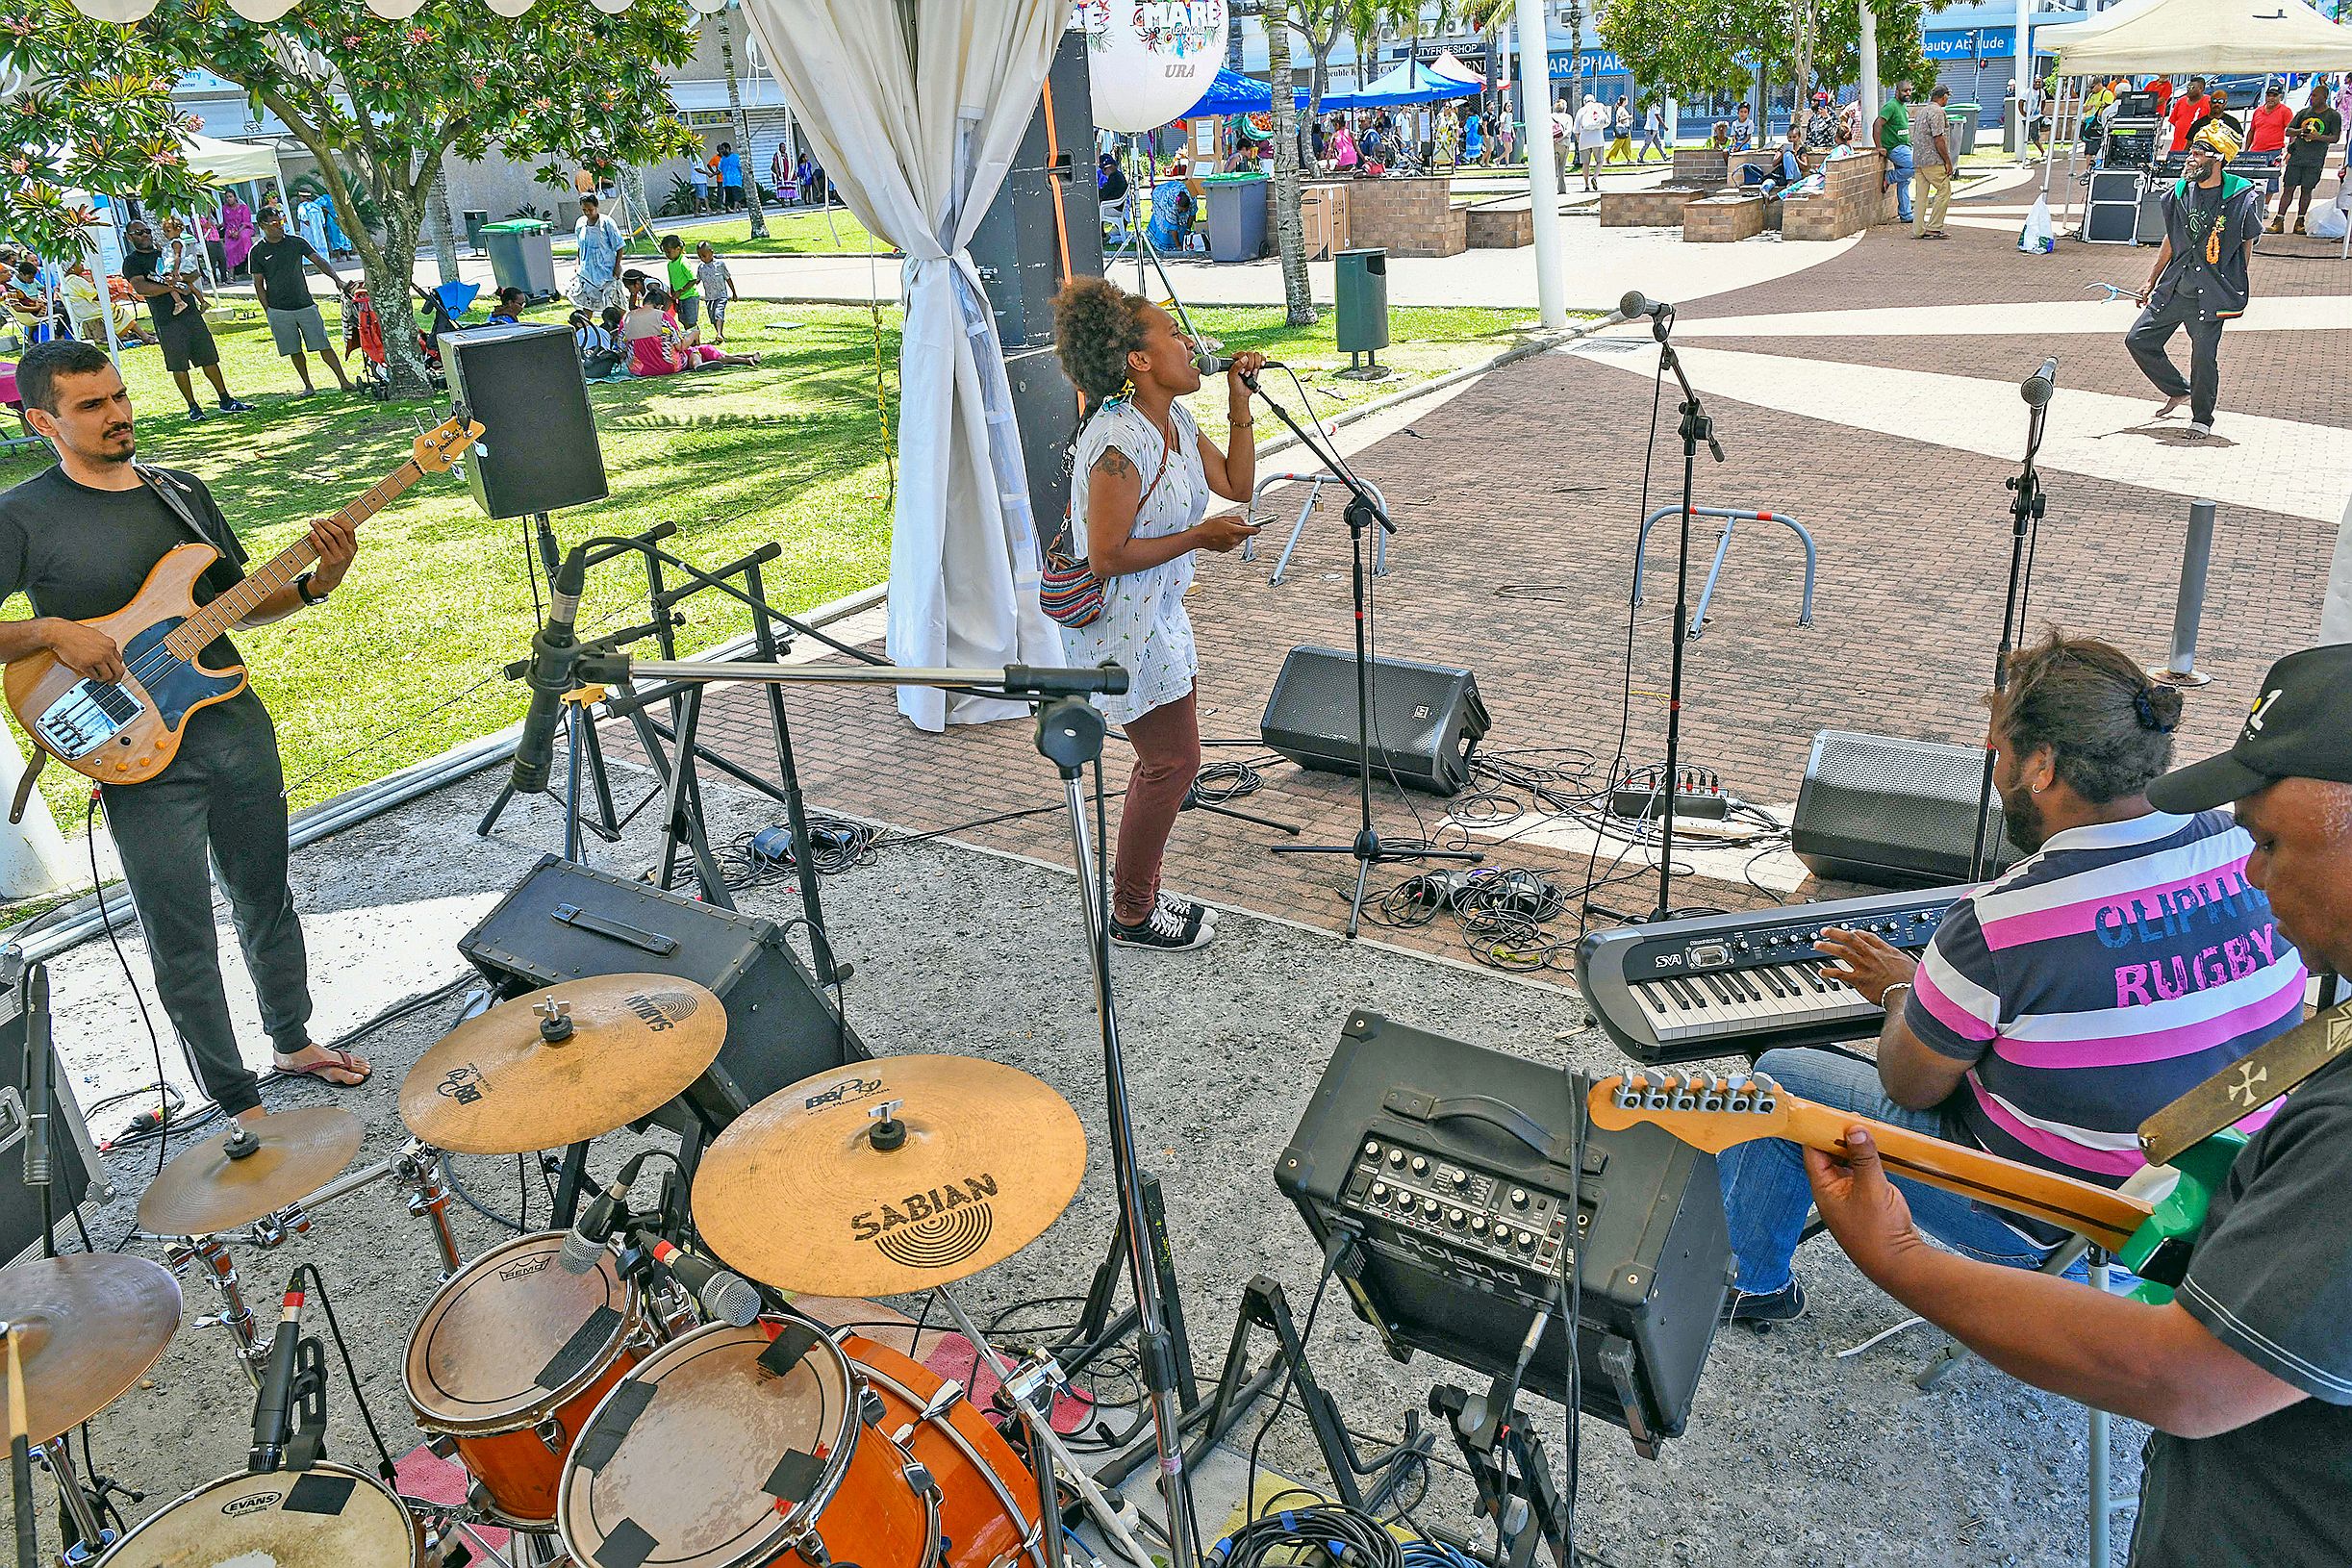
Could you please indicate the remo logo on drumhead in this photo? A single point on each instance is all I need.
(932, 1229)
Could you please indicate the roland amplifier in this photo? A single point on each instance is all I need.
(1425, 718)
(567, 920)
(1464, 1184)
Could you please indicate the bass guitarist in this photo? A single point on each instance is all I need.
(79, 540)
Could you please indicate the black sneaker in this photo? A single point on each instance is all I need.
(235, 405)
(1165, 930)
(1186, 909)
(1760, 1311)
(194, 414)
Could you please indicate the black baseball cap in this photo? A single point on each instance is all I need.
(2300, 727)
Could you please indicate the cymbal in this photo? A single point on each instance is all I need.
(202, 1192)
(93, 1324)
(497, 1084)
(797, 1193)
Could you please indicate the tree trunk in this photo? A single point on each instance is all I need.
(437, 227)
(389, 265)
(742, 127)
(632, 195)
(1801, 103)
(1290, 235)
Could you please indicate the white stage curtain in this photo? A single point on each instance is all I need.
(915, 109)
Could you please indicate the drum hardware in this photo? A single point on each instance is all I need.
(87, 1539)
(235, 1317)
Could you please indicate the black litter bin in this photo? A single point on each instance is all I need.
(1360, 291)
(474, 222)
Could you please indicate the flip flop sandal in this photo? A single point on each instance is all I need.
(338, 1061)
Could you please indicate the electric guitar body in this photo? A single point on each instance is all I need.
(128, 731)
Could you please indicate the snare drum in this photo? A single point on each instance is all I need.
(510, 1358)
(323, 1517)
(739, 1448)
(988, 1497)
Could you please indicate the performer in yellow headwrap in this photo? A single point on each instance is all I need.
(2200, 279)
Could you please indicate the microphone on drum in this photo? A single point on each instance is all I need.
(584, 1243)
(724, 1294)
(274, 1408)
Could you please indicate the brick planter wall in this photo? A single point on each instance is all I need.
(1659, 208)
(1722, 220)
(1407, 217)
(1853, 197)
(1499, 228)
(1698, 165)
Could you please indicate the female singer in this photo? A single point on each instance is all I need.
(1140, 481)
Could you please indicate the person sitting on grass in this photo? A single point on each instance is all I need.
(599, 344)
(634, 281)
(657, 345)
(508, 310)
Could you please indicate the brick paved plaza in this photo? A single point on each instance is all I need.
(1517, 502)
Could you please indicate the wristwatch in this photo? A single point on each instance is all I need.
(302, 588)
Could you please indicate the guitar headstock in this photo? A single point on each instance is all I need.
(446, 442)
(1704, 1110)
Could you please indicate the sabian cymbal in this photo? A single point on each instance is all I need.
(800, 1192)
(93, 1321)
(562, 1065)
(202, 1192)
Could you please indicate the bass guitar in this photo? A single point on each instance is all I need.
(2149, 1227)
(124, 732)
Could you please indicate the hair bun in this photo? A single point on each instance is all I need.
(2159, 708)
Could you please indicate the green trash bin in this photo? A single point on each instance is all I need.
(521, 256)
(1965, 120)
(1360, 291)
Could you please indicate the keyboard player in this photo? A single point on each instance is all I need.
(2126, 960)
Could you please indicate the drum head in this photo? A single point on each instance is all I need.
(703, 1456)
(326, 1517)
(513, 1335)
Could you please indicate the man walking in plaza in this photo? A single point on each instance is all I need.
(1931, 141)
(1654, 134)
(594, 286)
(2211, 219)
(1891, 134)
(1563, 141)
(1591, 138)
(281, 287)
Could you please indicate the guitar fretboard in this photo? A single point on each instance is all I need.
(196, 633)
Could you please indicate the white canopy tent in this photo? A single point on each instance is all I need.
(2145, 36)
(231, 162)
(916, 109)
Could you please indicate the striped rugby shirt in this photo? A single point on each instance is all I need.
(2099, 980)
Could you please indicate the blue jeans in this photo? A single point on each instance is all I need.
(1765, 1196)
(1899, 167)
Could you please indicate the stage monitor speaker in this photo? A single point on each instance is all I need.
(1046, 413)
(2111, 223)
(76, 1174)
(567, 920)
(1890, 813)
(538, 450)
(1045, 224)
(1425, 718)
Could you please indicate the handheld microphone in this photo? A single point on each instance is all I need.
(726, 1296)
(37, 1068)
(2036, 387)
(1216, 364)
(274, 1408)
(553, 647)
(584, 1243)
(1635, 304)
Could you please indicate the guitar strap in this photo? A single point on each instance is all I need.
(2247, 1084)
(174, 497)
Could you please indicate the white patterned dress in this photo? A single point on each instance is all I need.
(1142, 626)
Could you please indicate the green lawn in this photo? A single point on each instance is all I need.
(405, 662)
(790, 233)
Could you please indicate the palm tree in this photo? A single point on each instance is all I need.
(742, 127)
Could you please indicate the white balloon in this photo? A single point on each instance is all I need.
(261, 11)
(611, 7)
(114, 11)
(1152, 60)
(709, 8)
(508, 7)
(393, 10)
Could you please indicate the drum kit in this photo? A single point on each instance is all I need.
(604, 1397)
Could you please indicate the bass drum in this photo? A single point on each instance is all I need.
(323, 1517)
(508, 1359)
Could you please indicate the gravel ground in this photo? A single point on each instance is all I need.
(1792, 1456)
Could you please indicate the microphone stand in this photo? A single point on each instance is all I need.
(1697, 426)
(2025, 511)
(1364, 510)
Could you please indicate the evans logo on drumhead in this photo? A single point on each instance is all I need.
(932, 1229)
(663, 1008)
(251, 1502)
(842, 1093)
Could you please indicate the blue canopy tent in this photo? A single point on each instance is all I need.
(1234, 94)
(1410, 83)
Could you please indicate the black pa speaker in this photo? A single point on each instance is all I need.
(1046, 413)
(567, 920)
(1425, 718)
(76, 1174)
(1892, 814)
(1044, 225)
(538, 450)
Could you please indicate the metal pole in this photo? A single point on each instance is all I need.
(2022, 42)
(1543, 195)
(2189, 604)
(1870, 65)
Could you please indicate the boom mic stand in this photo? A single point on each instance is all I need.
(2025, 511)
(1365, 510)
(1697, 426)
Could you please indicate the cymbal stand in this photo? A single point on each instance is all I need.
(1031, 1386)
(87, 1538)
(235, 1317)
(417, 1167)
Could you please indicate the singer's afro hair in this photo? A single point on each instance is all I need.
(1096, 325)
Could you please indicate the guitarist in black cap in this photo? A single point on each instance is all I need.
(2246, 1374)
(79, 540)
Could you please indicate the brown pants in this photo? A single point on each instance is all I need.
(1167, 742)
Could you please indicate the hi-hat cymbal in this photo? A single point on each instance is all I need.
(202, 1192)
(563, 1065)
(800, 1192)
(93, 1324)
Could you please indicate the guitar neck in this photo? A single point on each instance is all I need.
(2106, 1218)
(196, 633)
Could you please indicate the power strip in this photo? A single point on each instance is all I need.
(1648, 803)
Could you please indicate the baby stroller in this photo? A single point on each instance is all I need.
(364, 334)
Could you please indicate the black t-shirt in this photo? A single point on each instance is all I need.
(284, 268)
(2331, 126)
(144, 263)
(2272, 1279)
(80, 554)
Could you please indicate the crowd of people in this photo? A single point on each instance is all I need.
(628, 323)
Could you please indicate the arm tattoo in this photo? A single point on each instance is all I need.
(1113, 464)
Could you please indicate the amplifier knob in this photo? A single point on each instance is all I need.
(1478, 1225)
(1454, 1218)
(1421, 1165)
(1526, 1241)
(1371, 1149)
(1519, 1197)
(1405, 1200)
(1395, 1156)
(1429, 1207)
(1379, 1190)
